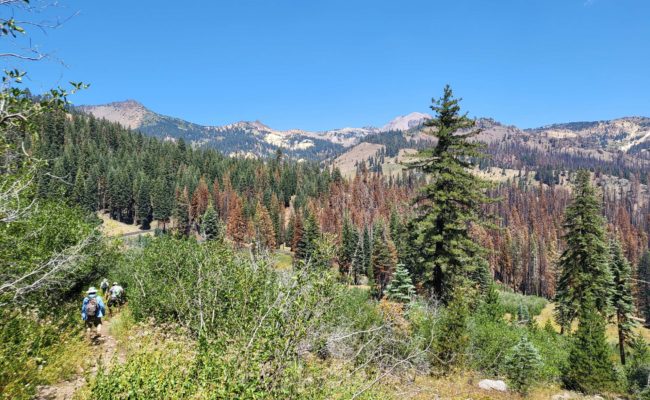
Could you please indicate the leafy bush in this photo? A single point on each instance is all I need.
(252, 322)
(490, 335)
(489, 340)
(33, 251)
(36, 350)
(202, 287)
(48, 257)
(512, 302)
(164, 372)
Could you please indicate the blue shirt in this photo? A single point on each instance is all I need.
(100, 306)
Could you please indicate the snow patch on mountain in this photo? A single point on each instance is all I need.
(406, 122)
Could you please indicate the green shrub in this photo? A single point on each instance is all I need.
(33, 349)
(488, 341)
(53, 229)
(203, 287)
(162, 372)
(452, 335)
(489, 337)
(511, 303)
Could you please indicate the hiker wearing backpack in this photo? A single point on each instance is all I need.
(104, 287)
(92, 311)
(116, 296)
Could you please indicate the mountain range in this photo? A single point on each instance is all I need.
(627, 138)
(248, 138)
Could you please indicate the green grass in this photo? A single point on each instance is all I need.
(283, 260)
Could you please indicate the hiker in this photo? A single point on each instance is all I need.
(104, 287)
(92, 311)
(116, 294)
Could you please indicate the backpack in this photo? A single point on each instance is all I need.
(117, 292)
(91, 307)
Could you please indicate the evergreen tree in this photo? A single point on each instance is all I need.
(523, 315)
(367, 255)
(638, 368)
(90, 194)
(643, 289)
(523, 365)
(584, 270)
(211, 228)
(120, 195)
(358, 265)
(349, 240)
(182, 212)
(383, 261)
(622, 301)
(277, 217)
(589, 368)
(450, 203)
(78, 189)
(289, 232)
(400, 288)
(162, 201)
(491, 306)
(143, 204)
(307, 243)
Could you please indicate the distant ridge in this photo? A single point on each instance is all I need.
(254, 138)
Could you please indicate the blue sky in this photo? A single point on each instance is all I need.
(325, 64)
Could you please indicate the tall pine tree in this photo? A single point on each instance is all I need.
(383, 261)
(584, 269)
(349, 239)
(452, 201)
(307, 244)
(358, 264)
(622, 300)
(643, 288)
(162, 200)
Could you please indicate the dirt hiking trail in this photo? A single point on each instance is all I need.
(107, 354)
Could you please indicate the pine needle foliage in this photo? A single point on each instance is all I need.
(584, 269)
(523, 365)
(643, 273)
(589, 368)
(400, 288)
(211, 227)
(622, 300)
(447, 207)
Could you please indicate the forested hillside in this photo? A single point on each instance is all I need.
(138, 179)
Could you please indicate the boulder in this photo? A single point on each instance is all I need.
(489, 384)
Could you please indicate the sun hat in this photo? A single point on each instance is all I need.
(92, 290)
(114, 283)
